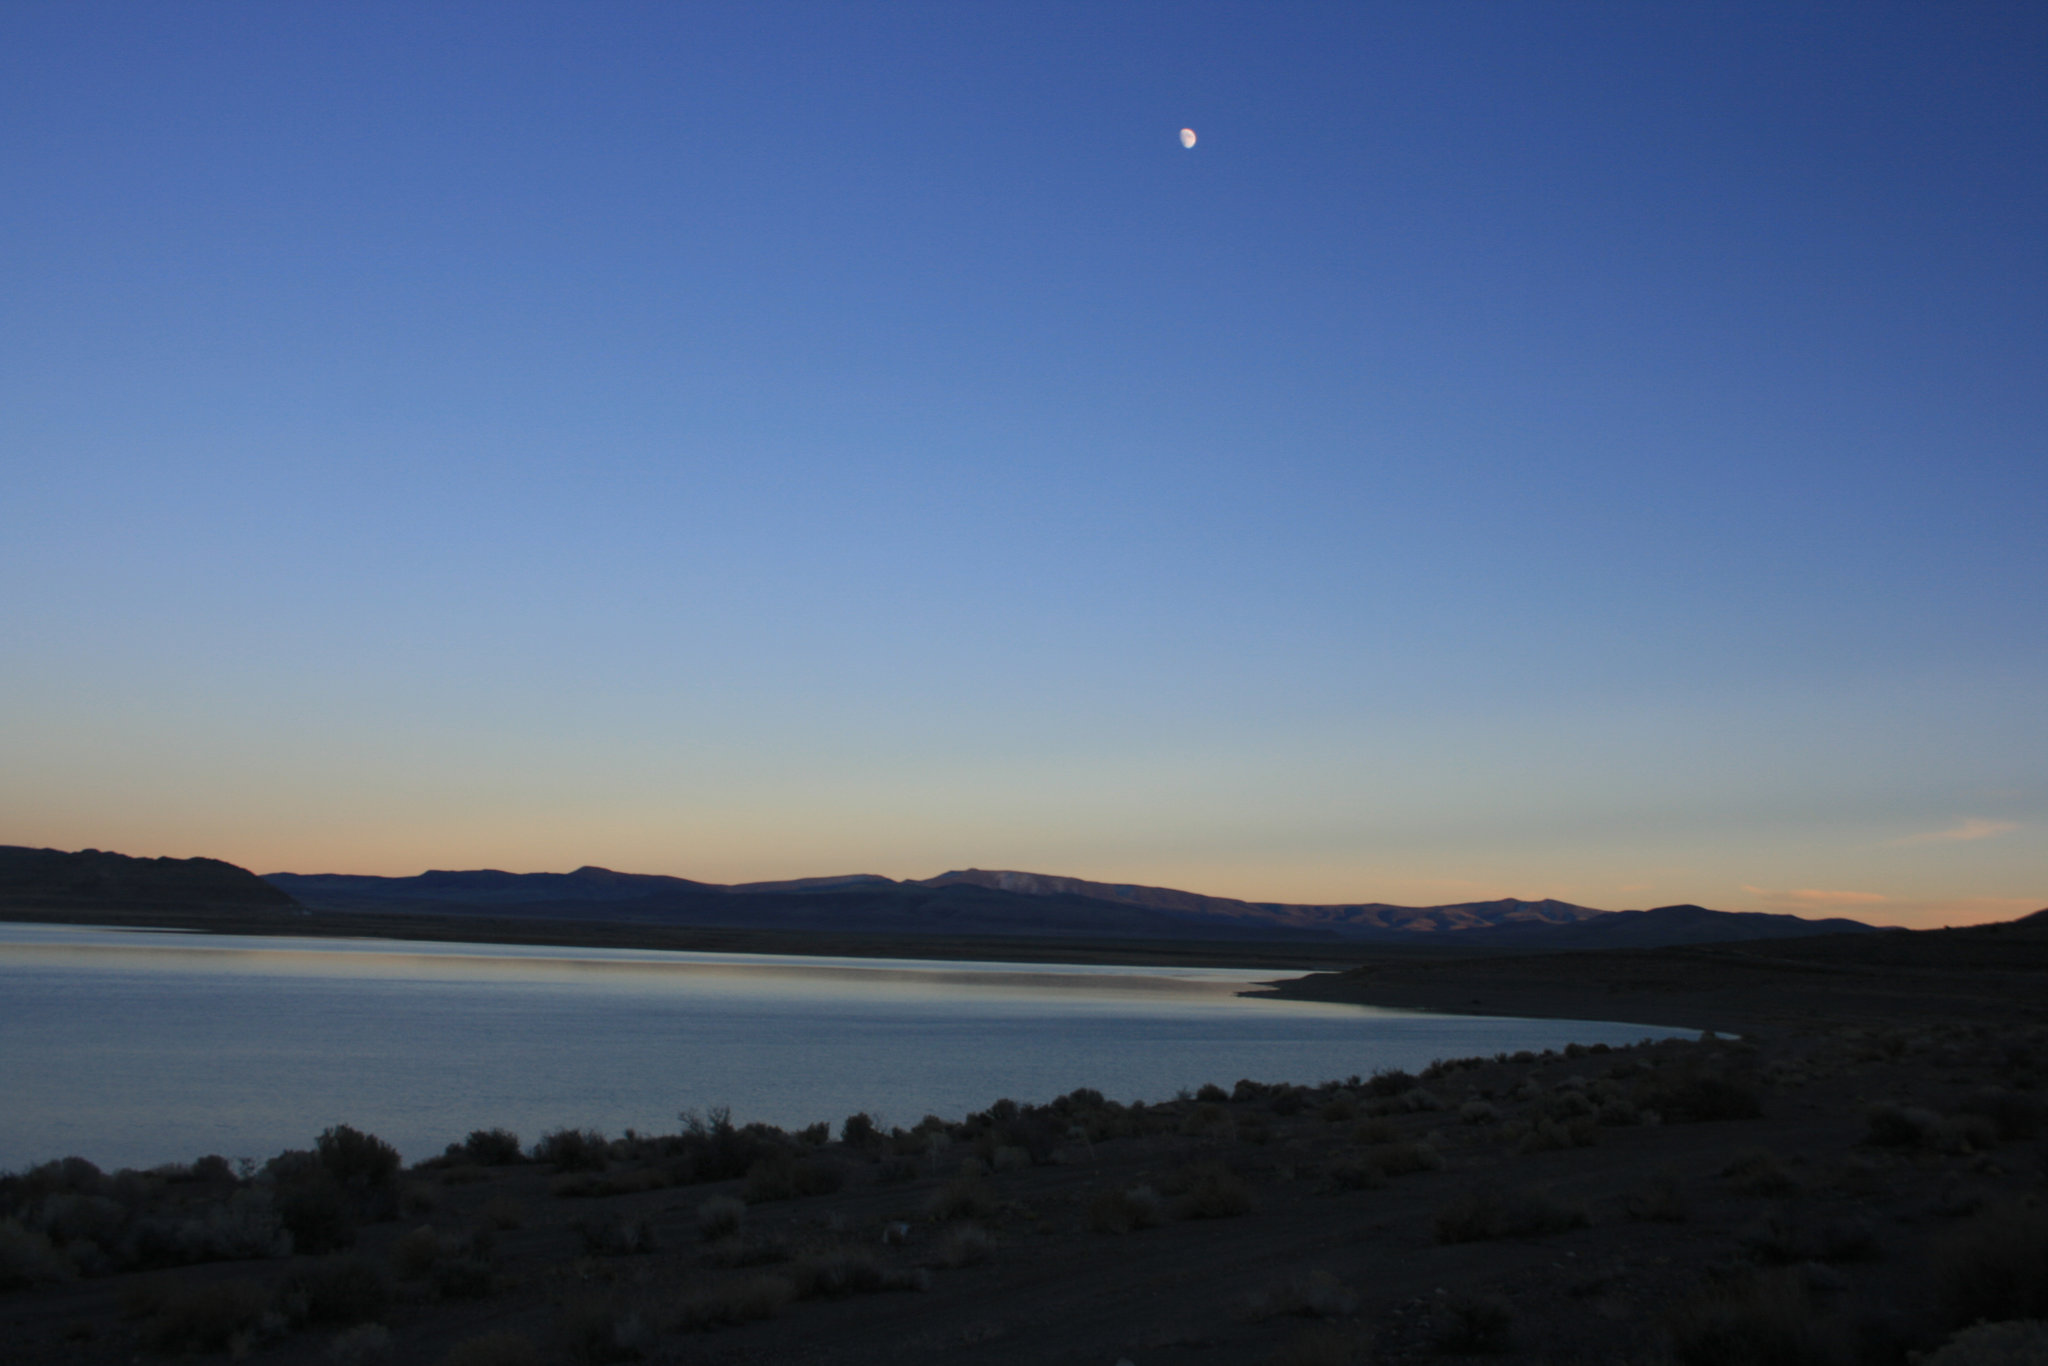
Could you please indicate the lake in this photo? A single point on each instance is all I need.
(136, 1048)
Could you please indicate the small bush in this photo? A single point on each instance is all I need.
(339, 1290)
(963, 1198)
(205, 1318)
(503, 1212)
(573, 1150)
(1208, 1190)
(366, 1342)
(785, 1177)
(735, 1302)
(747, 1250)
(2014, 1343)
(616, 1237)
(1124, 1211)
(1489, 1212)
(1758, 1171)
(1699, 1097)
(1766, 1321)
(1317, 1295)
(965, 1245)
(1212, 1094)
(1391, 1082)
(414, 1254)
(1326, 1345)
(596, 1332)
(720, 1217)
(357, 1159)
(502, 1348)
(27, 1258)
(849, 1271)
(859, 1131)
(1994, 1268)
(2014, 1114)
(491, 1147)
(1660, 1202)
(1475, 1324)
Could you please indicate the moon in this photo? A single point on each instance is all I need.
(1187, 137)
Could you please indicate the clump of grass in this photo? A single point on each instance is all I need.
(1660, 1202)
(1994, 1268)
(190, 1317)
(1759, 1321)
(964, 1197)
(1475, 1324)
(1208, 1190)
(488, 1148)
(1689, 1096)
(747, 1250)
(503, 1212)
(2014, 1343)
(1317, 1295)
(1125, 1211)
(1759, 1171)
(616, 1237)
(734, 1302)
(784, 1176)
(965, 1245)
(501, 1348)
(366, 1342)
(1325, 1345)
(1486, 1213)
(595, 1331)
(573, 1150)
(341, 1291)
(838, 1272)
(720, 1217)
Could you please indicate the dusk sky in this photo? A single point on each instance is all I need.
(1592, 451)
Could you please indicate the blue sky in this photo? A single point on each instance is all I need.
(1578, 450)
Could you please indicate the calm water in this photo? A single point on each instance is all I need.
(137, 1048)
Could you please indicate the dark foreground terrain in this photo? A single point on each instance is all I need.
(1857, 1178)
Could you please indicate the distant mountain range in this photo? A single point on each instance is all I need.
(975, 901)
(966, 902)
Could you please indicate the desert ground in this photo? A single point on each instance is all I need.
(1853, 1178)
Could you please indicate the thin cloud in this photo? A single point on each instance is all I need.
(1962, 831)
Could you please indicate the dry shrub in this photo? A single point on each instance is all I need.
(1782, 1238)
(204, 1318)
(1759, 1171)
(2014, 1114)
(338, 1290)
(1375, 1131)
(963, 1198)
(1325, 1345)
(1553, 1135)
(1660, 1202)
(1208, 1190)
(1994, 1268)
(1401, 1159)
(503, 1212)
(419, 1197)
(734, 1302)
(1906, 1126)
(1316, 1295)
(786, 1177)
(965, 1245)
(414, 1254)
(747, 1250)
(1353, 1172)
(595, 1331)
(27, 1258)
(1762, 1321)
(491, 1147)
(1685, 1096)
(363, 1343)
(2014, 1343)
(573, 1150)
(1124, 1211)
(502, 1348)
(1474, 1324)
(1489, 1212)
(629, 1237)
(844, 1271)
(720, 1217)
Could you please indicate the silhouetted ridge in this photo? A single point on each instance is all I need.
(92, 878)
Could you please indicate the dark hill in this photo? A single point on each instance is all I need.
(91, 879)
